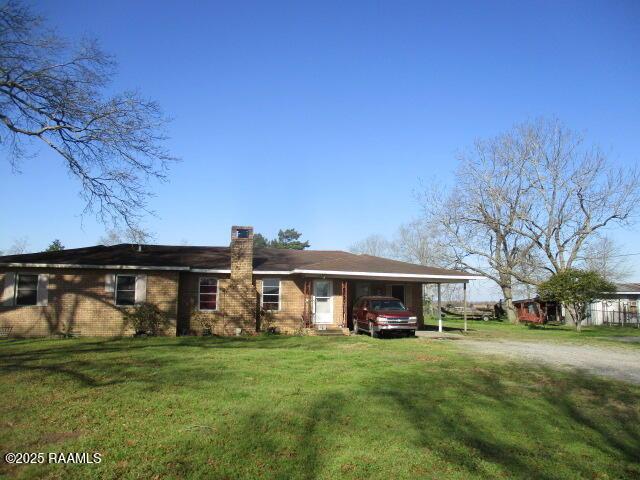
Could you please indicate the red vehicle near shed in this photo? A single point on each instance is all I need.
(533, 310)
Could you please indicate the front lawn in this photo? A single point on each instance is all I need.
(494, 329)
(308, 407)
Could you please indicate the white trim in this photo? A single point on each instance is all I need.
(389, 275)
(208, 270)
(7, 294)
(217, 293)
(141, 289)
(330, 297)
(279, 294)
(338, 273)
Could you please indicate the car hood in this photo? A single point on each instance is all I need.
(394, 313)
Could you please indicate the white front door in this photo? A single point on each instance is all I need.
(322, 301)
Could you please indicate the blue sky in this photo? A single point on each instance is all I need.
(323, 116)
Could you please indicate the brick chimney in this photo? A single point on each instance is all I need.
(242, 254)
(241, 301)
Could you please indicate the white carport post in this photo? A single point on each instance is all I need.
(464, 304)
(439, 308)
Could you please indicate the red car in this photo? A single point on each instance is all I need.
(383, 314)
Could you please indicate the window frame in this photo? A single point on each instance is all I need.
(115, 290)
(17, 288)
(262, 294)
(216, 294)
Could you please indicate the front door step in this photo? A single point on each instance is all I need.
(328, 331)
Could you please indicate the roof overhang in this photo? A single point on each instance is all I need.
(411, 277)
(407, 277)
(91, 267)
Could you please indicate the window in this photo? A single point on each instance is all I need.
(125, 290)
(27, 289)
(362, 289)
(271, 294)
(208, 293)
(397, 291)
(388, 305)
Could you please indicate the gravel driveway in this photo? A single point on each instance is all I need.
(619, 363)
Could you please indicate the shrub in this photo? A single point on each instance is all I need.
(268, 321)
(206, 321)
(146, 319)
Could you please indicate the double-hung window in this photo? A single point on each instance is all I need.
(208, 293)
(125, 289)
(27, 289)
(271, 294)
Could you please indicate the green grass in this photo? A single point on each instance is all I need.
(308, 407)
(555, 333)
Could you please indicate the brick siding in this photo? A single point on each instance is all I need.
(78, 302)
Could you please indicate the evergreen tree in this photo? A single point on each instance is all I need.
(55, 246)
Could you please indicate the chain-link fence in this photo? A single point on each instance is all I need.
(612, 316)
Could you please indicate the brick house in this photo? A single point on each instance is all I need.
(86, 290)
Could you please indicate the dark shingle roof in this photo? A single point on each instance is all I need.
(193, 257)
(628, 287)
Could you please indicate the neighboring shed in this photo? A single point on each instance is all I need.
(619, 308)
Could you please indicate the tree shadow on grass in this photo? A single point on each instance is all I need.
(98, 363)
(267, 442)
(38, 348)
(495, 428)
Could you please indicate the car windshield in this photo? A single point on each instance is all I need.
(387, 305)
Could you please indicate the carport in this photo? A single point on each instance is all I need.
(408, 287)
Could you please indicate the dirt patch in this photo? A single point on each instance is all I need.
(59, 437)
(618, 363)
(427, 358)
(626, 339)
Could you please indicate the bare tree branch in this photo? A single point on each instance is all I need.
(54, 93)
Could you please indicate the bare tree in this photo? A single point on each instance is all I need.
(575, 193)
(114, 236)
(19, 246)
(479, 215)
(419, 241)
(603, 255)
(53, 93)
(375, 245)
(528, 203)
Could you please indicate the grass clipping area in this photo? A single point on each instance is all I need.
(308, 407)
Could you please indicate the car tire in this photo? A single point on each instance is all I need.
(372, 331)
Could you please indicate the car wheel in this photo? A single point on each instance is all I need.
(372, 331)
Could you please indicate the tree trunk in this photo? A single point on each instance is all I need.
(568, 316)
(508, 304)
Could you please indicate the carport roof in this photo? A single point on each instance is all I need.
(218, 259)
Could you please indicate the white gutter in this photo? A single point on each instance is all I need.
(273, 272)
(255, 272)
(208, 270)
(396, 275)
